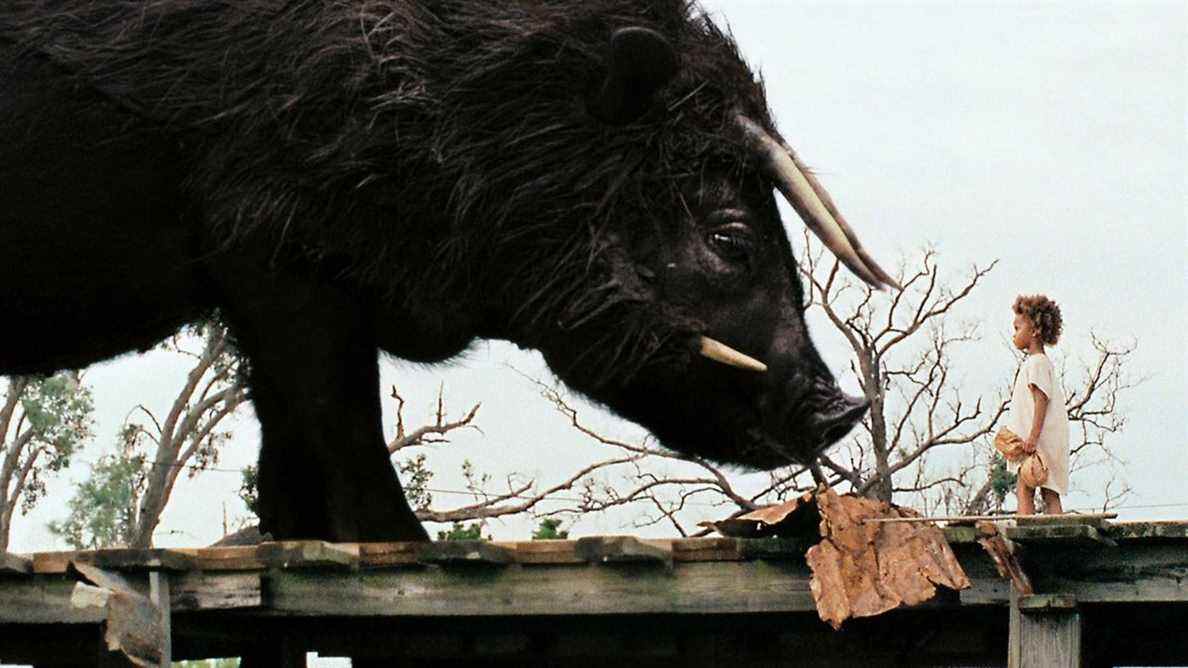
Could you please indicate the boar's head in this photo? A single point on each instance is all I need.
(634, 168)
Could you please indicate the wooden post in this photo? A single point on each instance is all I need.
(159, 596)
(1045, 632)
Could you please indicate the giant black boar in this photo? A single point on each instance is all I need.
(590, 178)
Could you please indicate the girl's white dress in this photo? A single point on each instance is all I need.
(1037, 370)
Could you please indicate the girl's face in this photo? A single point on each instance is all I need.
(1024, 332)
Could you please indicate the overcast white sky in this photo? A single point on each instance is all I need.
(1051, 136)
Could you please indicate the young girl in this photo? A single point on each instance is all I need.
(1038, 414)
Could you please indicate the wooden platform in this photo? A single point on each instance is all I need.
(1104, 594)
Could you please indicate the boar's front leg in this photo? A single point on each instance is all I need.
(314, 380)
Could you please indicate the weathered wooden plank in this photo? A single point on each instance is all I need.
(231, 558)
(123, 559)
(1140, 531)
(43, 600)
(707, 549)
(623, 549)
(1150, 572)
(466, 553)
(308, 554)
(215, 590)
(792, 549)
(53, 562)
(15, 563)
(1098, 520)
(1150, 588)
(1064, 534)
(696, 587)
(960, 534)
(381, 555)
(543, 551)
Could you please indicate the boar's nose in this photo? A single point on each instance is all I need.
(837, 416)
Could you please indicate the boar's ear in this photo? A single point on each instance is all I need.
(641, 62)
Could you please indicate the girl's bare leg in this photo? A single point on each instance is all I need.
(1052, 505)
(1026, 498)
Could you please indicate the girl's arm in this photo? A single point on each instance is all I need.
(1037, 423)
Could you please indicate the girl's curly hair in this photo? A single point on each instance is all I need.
(1044, 315)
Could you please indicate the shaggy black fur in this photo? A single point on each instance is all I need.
(335, 176)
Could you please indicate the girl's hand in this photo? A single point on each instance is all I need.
(1029, 445)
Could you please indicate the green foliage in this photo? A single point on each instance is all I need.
(248, 490)
(57, 420)
(460, 531)
(103, 509)
(415, 477)
(1002, 481)
(549, 529)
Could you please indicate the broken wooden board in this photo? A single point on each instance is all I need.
(1005, 557)
(132, 624)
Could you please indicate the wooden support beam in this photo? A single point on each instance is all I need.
(202, 590)
(1045, 631)
(625, 588)
(133, 622)
(160, 598)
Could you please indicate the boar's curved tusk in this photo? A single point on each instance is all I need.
(816, 208)
(720, 352)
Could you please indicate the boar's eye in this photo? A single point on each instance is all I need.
(734, 242)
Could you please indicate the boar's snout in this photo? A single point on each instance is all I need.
(834, 414)
(819, 414)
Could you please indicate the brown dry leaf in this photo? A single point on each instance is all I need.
(864, 569)
(859, 568)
